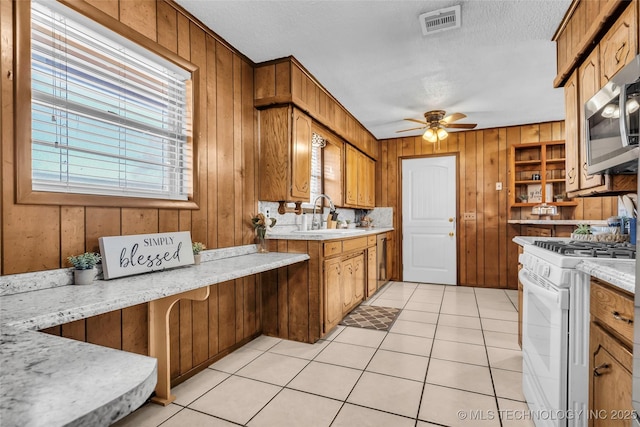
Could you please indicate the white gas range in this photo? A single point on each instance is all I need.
(555, 336)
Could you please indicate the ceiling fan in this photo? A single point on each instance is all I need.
(436, 124)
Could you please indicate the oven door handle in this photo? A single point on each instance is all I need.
(560, 297)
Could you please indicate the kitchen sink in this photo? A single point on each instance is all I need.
(331, 231)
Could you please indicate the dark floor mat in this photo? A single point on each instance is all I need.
(371, 317)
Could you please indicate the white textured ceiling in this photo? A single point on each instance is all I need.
(498, 68)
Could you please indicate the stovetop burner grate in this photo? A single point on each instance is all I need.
(579, 248)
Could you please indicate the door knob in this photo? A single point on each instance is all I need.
(451, 234)
(450, 219)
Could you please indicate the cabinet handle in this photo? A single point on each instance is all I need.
(596, 372)
(618, 58)
(571, 175)
(616, 315)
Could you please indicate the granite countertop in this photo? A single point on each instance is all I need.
(54, 381)
(327, 234)
(618, 272)
(528, 240)
(557, 221)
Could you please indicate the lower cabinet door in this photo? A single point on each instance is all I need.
(359, 280)
(348, 278)
(611, 380)
(332, 293)
(372, 271)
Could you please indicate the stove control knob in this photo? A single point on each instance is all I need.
(546, 271)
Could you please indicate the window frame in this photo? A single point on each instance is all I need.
(24, 191)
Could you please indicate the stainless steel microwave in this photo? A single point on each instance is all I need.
(612, 120)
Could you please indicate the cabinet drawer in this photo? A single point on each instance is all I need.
(613, 309)
(372, 240)
(332, 248)
(351, 244)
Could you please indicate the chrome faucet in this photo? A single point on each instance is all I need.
(315, 224)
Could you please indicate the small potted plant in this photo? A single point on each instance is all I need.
(197, 248)
(261, 224)
(558, 197)
(85, 267)
(523, 198)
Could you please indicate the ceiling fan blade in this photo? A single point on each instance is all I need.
(453, 117)
(407, 130)
(418, 121)
(460, 125)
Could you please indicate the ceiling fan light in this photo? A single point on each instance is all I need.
(430, 135)
(442, 134)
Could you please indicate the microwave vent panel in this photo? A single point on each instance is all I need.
(440, 20)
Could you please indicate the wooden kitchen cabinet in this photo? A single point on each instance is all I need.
(588, 85)
(571, 123)
(580, 30)
(351, 176)
(286, 81)
(546, 159)
(619, 45)
(610, 356)
(593, 61)
(372, 271)
(344, 286)
(370, 183)
(359, 179)
(285, 155)
(332, 292)
(392, 274)
(305, 303)
(352, 281)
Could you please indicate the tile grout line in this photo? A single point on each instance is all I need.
(433, 341)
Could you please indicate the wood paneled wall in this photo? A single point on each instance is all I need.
(486, 255)
(39, 237)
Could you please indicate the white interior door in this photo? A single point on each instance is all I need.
(429, 220)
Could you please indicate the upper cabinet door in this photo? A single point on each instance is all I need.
(588, 85)
(572, 137)
(619, 45)
(371, 183)
(332, 163)
(362, 178)
(351, 176)
(301, 156)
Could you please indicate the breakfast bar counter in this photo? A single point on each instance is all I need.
(54, 381)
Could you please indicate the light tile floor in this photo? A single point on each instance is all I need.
(451, 359)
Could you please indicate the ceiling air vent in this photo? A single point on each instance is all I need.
(440, 20)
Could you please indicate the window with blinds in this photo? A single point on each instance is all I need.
(317, 142)
(108, 117)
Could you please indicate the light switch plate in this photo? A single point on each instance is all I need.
(469, 216)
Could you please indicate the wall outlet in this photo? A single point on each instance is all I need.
(469, 216)
(498, 186)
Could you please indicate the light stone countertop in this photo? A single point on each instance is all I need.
(557, 221)
(528, 240)
(327, 234)
(52, 381)
(618, 272)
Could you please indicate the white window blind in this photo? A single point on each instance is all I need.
(108, 117)
(317, 142)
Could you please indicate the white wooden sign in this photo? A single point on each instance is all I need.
(143, 253)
